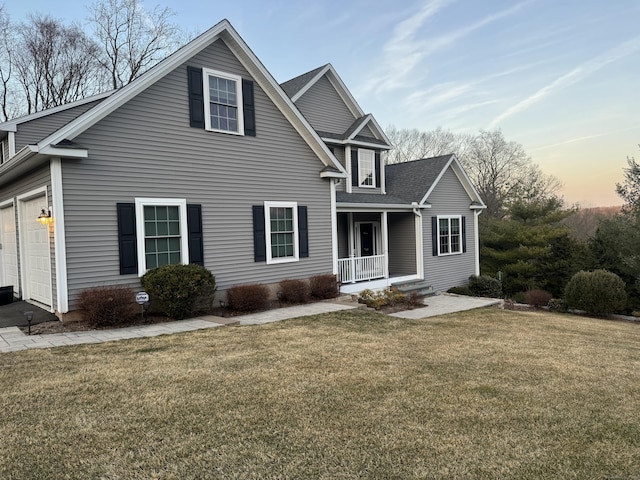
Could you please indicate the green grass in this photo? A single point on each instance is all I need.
(484, 394)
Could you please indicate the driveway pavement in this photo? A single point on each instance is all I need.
(12, 339)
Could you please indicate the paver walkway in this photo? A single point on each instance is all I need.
(12, 339)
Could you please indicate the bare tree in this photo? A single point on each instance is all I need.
(501, 170)
(132, 39)
(6, 64)
(54, 64)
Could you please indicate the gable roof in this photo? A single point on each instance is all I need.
(298, 86)
(223, 30)
(415, 180)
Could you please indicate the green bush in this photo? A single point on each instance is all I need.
(558, 305)
(179, 290)
(248, 298)
(324, 286)
(461, 291)
(519, 297)
(485, 286)
(599, 292)
(107, 306)
(294, 291)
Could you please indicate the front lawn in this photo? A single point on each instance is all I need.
(481, 394)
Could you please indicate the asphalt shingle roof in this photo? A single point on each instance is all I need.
(293, 86)
(412, 180)
(377, 198)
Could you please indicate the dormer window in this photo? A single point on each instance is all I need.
(366, 168)
(223, 102)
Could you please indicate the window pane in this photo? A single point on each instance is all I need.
(174, 244)
(444, 244)
(163, 259)
(161, 213)
(174, 228)
(151, 261)
(162, 228)
(455, 226)
(455, 243)
(150, 229)
(174, 213)
(444, 226)
(150, 245)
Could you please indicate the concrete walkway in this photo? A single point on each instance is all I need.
(12, 339)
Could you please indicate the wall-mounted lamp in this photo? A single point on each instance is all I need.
(45, 217)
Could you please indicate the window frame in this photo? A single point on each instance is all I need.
(140, 203)
(362, 161)
(296, 232)
(449, 235)
(206, 73)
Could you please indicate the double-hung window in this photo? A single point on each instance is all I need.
(281, 227)
(366, 168)
(223, 102)
(162, 234)
(449, 235)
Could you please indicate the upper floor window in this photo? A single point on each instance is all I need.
(366, 168)
(223, 102)
(449, 235)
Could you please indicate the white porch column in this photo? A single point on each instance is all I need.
(419, 243)
(476, 240)
(59, 239)
(334, 227)
(385, 243)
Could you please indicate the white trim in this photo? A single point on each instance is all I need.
(181, 203)
(449, 218)
(367, 207)
(3, 274)
(419, 242)
(59, 239)
(362, 158)
(385, 242)
(347, 162)
(476, 241)
(378, 245)
(11, 137)
(359, 143)
(267, 229)
(334, 228)
(206, 73)
(465, 181)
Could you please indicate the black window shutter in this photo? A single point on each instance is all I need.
(434, 235)
(194, 227)
(303, 232)
(259, 238)
(378, 168)
(464, 235)
(354, 167)
(248, 108)
(127, 244)
(196, 97)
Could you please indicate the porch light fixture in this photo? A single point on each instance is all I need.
(45, 217)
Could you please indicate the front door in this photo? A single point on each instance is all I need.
(368, 239)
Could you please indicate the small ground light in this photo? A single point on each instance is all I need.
(29, 316)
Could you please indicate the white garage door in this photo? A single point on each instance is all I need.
(9, 251)
(37, 268)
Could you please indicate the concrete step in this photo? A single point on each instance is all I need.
(417, 286)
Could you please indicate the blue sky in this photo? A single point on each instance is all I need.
(560, 77)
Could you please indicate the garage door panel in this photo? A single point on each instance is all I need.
(9, 253)
(37, 259)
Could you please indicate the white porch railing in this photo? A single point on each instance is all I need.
(357, 269)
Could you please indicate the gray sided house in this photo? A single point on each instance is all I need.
(206, 159)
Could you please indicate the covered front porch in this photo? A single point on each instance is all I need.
(377, 248)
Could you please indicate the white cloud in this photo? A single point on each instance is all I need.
(575, 75)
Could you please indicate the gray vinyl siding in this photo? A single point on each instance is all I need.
(402, 244)
(4, 144)
(41, 177)
(448, 198)
(325, 109)
(146, 148)
(338, 152)
(35, 130)
(366, 132)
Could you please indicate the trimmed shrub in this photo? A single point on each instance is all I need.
(248, 298)
(324, 286)
(519, 297)
(558, 305)
(414, 299)
(294, 291)
(179, 290)
(382, 298)
(537, 298)
(599, 292)
(107, 306)
(461, 291)
(485, 286)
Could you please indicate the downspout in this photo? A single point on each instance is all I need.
(419, 240)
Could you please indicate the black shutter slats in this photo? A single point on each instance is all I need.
(127, 243)
(464, 235)
(354, 167)
(195, 237)
(248, 108)
(378, 168)
(434, 236)
(259, 237)
(196, 97)
(303, 232)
